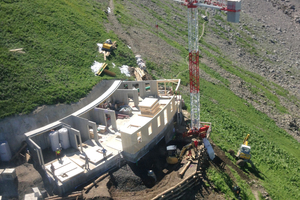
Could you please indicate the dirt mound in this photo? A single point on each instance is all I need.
(125, 180)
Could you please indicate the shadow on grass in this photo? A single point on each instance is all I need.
(247, 168)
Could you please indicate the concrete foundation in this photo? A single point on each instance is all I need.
(94, 152)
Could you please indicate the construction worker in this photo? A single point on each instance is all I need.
(87, 164)
(52, 168)
(104, 152)
(57, 153)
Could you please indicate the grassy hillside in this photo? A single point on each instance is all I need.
(59, 40)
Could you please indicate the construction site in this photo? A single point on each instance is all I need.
(121, 128)
(142, 136)
(132, 140)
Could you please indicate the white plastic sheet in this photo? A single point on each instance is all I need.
(209, 149)
(124, 70)
(99, 46)
(95, 67)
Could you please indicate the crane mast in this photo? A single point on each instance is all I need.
(233, 8)
(194, 65)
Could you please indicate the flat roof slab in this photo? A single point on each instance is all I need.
(65, 169)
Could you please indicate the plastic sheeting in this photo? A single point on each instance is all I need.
(95, 67)
(140, 62)
(99, 47)
(124, 70)
(209, 149)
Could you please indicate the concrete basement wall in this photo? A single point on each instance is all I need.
(81, 125)
(96, 115)
(42, 140)
(123, 94)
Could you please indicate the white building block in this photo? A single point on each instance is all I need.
(30, 196)
(9, 174)
(37, 192)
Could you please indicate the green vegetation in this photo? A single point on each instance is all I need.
(275, 153)
(59, 41)
(225, 183)
(214, 74)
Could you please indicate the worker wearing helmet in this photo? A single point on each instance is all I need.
(57, 153)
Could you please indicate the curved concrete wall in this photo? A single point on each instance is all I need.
(12, 129)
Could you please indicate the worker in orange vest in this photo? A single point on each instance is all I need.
(57, 153)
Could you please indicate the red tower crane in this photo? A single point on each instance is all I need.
(233, 8)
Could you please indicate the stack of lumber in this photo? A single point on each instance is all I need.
(139, 74)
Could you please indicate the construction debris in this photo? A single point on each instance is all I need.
(107, 47)
(140, 62)
(139, 74)
(98, 68)
(124, 70)
(20, 50)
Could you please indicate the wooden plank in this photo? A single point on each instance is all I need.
(13, 50)
(114, 44)
(104, 54)
(101, 69)
(95, 182)
(25, 144)
(139, 74)
(184, 168)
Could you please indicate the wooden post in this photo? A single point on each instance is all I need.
(95, 182)
(184, 168)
